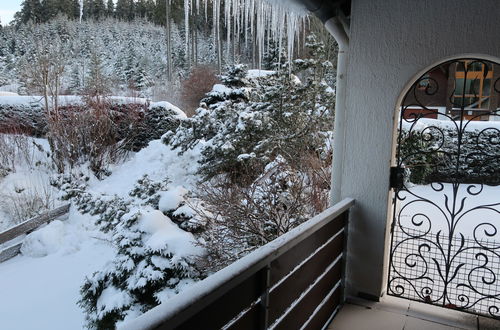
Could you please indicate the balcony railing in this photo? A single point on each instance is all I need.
(293, 282)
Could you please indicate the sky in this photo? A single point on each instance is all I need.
(7, 10)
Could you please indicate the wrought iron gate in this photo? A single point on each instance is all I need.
(445, 245)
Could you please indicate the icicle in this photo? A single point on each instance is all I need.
(81, 10)
(258, 20)
(206, 11)
(187, 8)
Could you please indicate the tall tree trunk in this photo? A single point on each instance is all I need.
(168, 33)
(195, 43)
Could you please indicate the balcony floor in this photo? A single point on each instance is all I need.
(399, 314)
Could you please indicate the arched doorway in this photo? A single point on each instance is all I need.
(445, 231)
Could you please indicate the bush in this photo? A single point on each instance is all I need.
(198, 83)
(155, 258)
(240, 219)
(248, 121)
(158, 119)
(33, 195)
(97, 132)
(431, 155)
(23, 118)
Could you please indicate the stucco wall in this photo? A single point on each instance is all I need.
(391, 42)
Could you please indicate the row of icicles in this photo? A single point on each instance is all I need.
(263, 20)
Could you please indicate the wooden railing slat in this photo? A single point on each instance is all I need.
(282, 296)
(10, 252)
(302, 311)
(226, 308)
(285, 263)
(32, 223)
(322, 316)
(251, 319)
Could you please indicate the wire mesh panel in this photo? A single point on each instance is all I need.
(445, 247)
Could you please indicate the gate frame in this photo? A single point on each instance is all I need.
(393, 161)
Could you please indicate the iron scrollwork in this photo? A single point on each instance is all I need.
(445, 247)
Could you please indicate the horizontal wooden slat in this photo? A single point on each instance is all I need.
(32, 223)
(251, 319)
(282, 296)
(10, 252)
(284, 264)
(226, 308)
(323, 314)
(301, 312)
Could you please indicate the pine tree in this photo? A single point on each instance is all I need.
(99, 9)
(110, 8)
(31, 10)
(141, 78)
(88, 9)
(97, 84)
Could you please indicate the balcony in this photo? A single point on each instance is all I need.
(292, 282)
(297, 282)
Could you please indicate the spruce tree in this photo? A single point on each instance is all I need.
(110, 8)
(31, 10)
(99, 9)
(154, 260)
(98, 82)
(249, 121)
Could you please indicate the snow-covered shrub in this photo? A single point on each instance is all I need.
(154, 261)
(265, 140)
(78, 134)
(44, 241)
(25, 191)
(254, 116)
(430, 154)
(23, 118)
(155, 258)
(157, 119)
(240, 219)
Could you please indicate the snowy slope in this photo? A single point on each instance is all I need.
(44, 282)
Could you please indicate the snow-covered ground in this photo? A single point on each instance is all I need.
(39, 289)
(480, 204)
(63, 99)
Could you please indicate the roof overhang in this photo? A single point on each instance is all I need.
(327, 9)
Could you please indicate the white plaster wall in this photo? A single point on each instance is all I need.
(392, 41)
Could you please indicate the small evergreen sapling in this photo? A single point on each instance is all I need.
(154, 260)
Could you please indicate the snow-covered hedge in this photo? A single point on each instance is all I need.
(26, 118)
(159, 118)
(430, 150)
(26, 114)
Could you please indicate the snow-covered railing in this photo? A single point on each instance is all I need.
(293, 282)
(25, 227)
